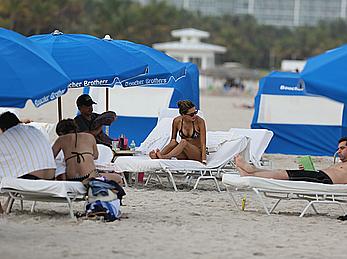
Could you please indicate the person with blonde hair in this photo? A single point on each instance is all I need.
(192, 130)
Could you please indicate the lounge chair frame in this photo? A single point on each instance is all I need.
(35, 197)
(42, 190)
(206, 174)
(312, 199)
(189, 168)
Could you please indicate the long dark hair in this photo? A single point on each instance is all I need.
(66, 126)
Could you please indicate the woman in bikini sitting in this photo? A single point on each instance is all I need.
(79, 150)
(192, 131)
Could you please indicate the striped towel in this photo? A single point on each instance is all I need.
(24, 149)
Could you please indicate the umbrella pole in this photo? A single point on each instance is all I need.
(107, 95)
(60, 114)
(106, 102)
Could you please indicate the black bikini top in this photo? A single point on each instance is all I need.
(78, 155)
(195, 134)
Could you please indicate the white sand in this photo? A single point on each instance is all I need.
(160, 223)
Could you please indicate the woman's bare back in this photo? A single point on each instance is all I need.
(79, 153)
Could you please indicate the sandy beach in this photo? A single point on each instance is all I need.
(159, 223)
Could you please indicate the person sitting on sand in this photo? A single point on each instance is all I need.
(79, 150)
(192, 130)
(335, 174)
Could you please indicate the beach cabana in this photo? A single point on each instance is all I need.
(302, 124)
(138, 107)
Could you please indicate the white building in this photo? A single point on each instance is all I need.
(190, 48)
(290, 13)
(292, 65)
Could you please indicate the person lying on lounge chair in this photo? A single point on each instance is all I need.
(192, 131)
(79, 150)
(335, 174)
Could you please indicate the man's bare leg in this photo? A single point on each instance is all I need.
(247, 170)
(241, 163)
(1, 210)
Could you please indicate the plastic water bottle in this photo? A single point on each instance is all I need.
(132, 145)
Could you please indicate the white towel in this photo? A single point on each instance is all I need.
(24, 149)
(158, 138)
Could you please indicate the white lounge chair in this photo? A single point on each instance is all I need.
(260, 139)
(42, 190)
(105, 154)
(104, 161)
(215, 163)
(48, 129)
(313, 193)
(158, 137)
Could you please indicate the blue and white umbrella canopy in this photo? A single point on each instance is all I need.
(162, 68)
(27, 72)
(326, 75)
(90, 61)
(138, 107)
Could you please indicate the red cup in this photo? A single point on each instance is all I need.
(140, 177)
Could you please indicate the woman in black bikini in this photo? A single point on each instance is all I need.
(79, 150)
(192, 130)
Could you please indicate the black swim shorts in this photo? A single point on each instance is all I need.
(309, 176)
(30, 177)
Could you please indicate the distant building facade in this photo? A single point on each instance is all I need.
(290, 13)
(292, 65)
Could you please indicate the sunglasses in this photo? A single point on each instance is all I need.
(192, 114)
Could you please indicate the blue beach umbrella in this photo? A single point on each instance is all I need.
(27, 72)
(161, 68)
(90, 61)
(326, 75)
